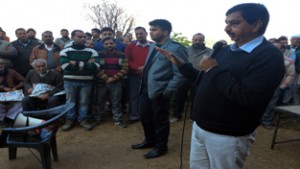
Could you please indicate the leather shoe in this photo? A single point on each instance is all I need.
(129, 121)
(155, 153)
(142, 145)
(268, 126)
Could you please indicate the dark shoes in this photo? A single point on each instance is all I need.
(155, 152)
(120, 124)
(129, 121)
(86, 125)
(68, 125)
(268, 126)
(142, 145)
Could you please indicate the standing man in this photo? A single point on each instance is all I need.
(79, 64)
(235, 89)
(48, 51)
(282, 94)
(64, 38)
(7, 53)
(24, 48)
(114, 67)
(295, 42)
(109, 32)
(136, 53)
(31, 35)
(120, 46)
(89, 43)
(160, 80)
(196, 53)
(96, 33)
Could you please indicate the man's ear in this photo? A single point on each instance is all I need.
(256, 26)
(165, 33)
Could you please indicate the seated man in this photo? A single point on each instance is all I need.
(10, 81)
(43, 86)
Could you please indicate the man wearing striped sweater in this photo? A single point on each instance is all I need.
(114, 68)
(79, 64)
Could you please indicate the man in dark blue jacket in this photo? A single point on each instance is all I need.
(234, 90)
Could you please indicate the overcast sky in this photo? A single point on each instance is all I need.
(186, 16)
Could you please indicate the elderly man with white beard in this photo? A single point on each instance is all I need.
(42, 85)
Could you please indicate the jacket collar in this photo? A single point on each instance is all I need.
(55, 47)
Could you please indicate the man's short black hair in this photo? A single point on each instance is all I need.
(30, 30)
(165, 25)
(108, 38)
(47, 32)
(19, 30)
(96, 30)
(252, 12)
(88, 34)
(75, 31)
(107, 29)
(64, 30)
(139, 27)
(283, 38)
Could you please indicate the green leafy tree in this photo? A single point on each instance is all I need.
(178, 37)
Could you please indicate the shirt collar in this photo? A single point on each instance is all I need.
(146, 44)
(24, 43)
(249, 46)
(49, 48)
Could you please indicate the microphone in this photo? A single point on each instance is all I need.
(216, 48)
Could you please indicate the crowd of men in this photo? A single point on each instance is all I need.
(94, 65)
(70, 66)
(145, 75)
(23, 54)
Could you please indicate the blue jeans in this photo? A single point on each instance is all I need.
(269, 114)
(115, 91)
(133, 93)
(80, 90)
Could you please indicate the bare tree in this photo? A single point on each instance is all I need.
(107, 14)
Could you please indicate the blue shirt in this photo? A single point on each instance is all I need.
(249, 46)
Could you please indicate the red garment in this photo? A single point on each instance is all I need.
(136, 55)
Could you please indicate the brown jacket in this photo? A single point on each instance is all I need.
(13, 80)
(40, 52)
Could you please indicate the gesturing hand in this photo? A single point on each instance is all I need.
(170, 56)
(206, 63)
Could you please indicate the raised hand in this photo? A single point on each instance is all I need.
(206, 63)
(170, 56)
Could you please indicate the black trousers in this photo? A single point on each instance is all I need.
(154, 115)
(34, 103)
(181, 98)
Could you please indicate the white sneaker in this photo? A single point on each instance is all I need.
(120, 124)
(173, 120)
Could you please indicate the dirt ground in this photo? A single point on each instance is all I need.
(108, 147)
